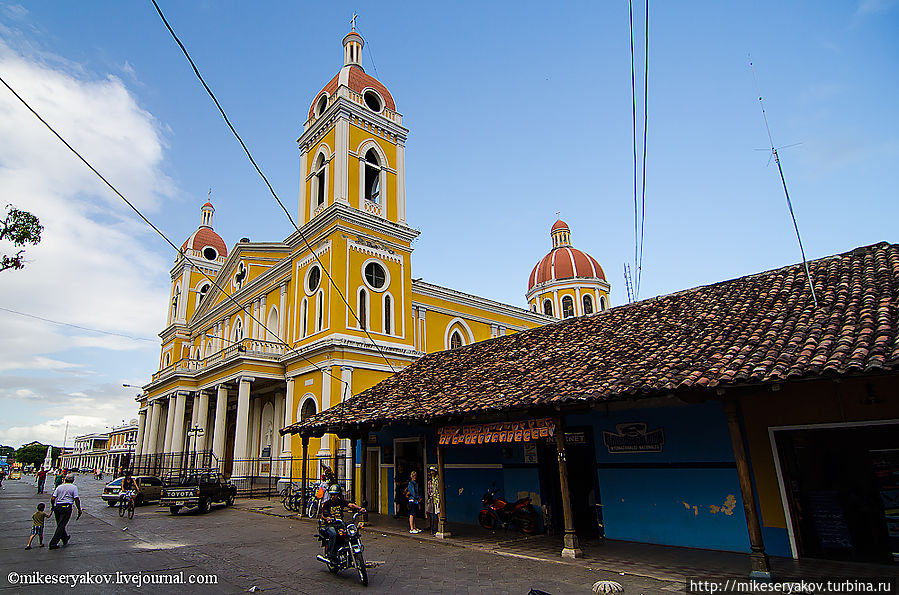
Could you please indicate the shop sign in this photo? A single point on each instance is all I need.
(634, 437)
(506, 431)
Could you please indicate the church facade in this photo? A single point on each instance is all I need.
(266, 334)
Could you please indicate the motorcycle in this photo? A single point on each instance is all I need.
(349, 548)
(498, 512)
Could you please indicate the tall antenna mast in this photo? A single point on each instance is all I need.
(783, 180)
(628, 284)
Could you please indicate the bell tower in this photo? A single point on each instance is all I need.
(352, 150)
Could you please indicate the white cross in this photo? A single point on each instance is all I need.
(353, 21)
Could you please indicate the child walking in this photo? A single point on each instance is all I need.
(37, 528)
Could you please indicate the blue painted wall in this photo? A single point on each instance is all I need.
(688, 494)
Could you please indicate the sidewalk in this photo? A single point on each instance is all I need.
(666, 563)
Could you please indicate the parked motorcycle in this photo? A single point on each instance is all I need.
(498, 512)
(349, 548)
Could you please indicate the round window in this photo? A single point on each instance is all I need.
(375, 275)
(210, 253)
(321, 104)
(313, 278)
(372, 100)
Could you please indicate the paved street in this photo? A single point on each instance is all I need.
(244, 549)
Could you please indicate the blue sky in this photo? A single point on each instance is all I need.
(515, 111)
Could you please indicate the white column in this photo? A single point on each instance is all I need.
(221, 412)
(254, 327)
(201, 405)
(346, 391)
(152, 439)
(169, 426)
(185, 293)
(578, 303)
(326, 387)
(340, 162)
(141, 422)
(276, 424)
(241, 434)
(282, 314)
(289, 412)
(177, 444)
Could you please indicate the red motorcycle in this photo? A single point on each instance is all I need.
(498, 512)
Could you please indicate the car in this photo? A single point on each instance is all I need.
(15, 474)
(85, 470)
(197, 488)
(149, 489)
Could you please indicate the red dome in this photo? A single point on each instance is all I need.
(204, 237)
(358, 81)
(558, 225)
(565, 263)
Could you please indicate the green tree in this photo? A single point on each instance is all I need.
(20, 228)
(34, 454)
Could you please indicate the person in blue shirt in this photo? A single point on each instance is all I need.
(413, 492)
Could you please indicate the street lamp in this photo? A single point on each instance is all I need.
(196, 432)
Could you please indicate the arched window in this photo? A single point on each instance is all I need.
(319, 179)
(456, 340)
(209, 348)
(175, 299)
(166, 360)
(362, 310)
(602, 303)
(588, 304)
(237, 333)
(201, 293)
(372, 182)
(304, 315)
(272, 325)
(533, 307)
(307, 409)
(567, 307)
(387, 313)
(319, 311)
(548, 307)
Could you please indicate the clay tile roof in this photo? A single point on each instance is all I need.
(757, 329)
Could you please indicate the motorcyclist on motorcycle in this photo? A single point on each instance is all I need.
(331, 515)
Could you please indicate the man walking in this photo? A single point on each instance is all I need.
(61, 503)
(41, 478)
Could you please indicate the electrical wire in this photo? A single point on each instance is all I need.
(83, 328)
(197, 264)
(630, 12)
(645, 128)
(271, 190)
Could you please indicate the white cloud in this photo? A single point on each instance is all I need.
(93, 267)
(53, 431)
(14, 11)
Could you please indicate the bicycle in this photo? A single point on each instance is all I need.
(126, 504)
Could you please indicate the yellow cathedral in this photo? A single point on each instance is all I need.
(292, 327)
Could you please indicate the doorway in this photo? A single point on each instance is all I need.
(373, 479)
(840, 485)
(583, 487)
(408, 456)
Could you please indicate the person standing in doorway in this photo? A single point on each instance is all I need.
(413, 492)
(41, 480)
(61, 503)
(399, 491)
(432, 499)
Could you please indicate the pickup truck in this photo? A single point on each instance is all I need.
(197, 489)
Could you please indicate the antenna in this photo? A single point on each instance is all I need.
(628, 284)
(783, 180)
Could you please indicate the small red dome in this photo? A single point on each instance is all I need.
(565, 263)
(204, 237)
(357, 81)
(559, 225)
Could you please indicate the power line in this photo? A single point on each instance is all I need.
(645, 129)
(196, 264)
(271, 190)
(630, 12)
(783, 181)
(83, 328)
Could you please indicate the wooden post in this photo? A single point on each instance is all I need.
(305, 472)
(363, 470)
(442, 530)
(352, 455)
(758, 559)
(570, 547)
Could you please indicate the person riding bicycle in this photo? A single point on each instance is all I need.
(331, 516)
(129, 486)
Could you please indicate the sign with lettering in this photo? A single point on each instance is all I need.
(504, 431)
(634, 437)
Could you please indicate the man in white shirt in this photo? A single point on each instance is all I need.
(61, 504)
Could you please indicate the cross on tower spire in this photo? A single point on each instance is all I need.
(353, 21)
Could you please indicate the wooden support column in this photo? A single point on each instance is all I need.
(305, 472)
(442, 530)
(570, 547)
(363, 470)
(760, 566)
